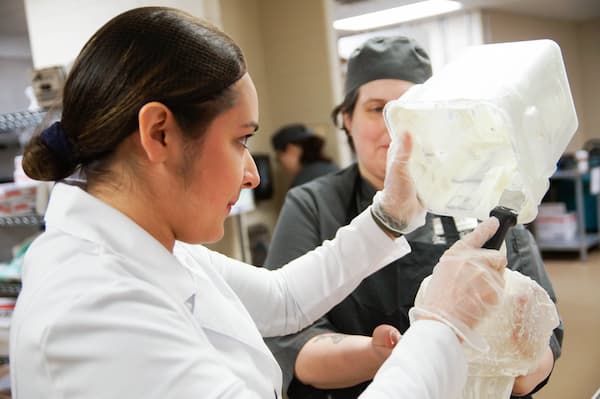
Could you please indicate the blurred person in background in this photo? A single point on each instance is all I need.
(339, 354)
(299, 151)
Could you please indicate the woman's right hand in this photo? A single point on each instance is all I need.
(465, 285)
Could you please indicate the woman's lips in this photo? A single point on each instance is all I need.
(230, 205)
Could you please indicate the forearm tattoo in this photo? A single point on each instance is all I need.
(333, 337)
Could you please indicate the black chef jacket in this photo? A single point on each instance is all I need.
(313, 212)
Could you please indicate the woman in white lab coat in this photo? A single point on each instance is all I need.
(119, 301)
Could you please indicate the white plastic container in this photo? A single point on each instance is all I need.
(497, 118)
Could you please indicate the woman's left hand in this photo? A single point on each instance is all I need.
(384, 340)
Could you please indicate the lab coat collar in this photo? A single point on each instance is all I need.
(74, 211)
(224, 313)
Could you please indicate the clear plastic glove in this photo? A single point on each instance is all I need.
(466, 285)
(397, 205)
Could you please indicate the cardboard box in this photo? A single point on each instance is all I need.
(552, 208)
(556, 227)
(17, 199)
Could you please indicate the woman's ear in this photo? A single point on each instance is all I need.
(347, 120)
(155, 121)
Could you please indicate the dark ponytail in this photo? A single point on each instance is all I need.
(143, 55)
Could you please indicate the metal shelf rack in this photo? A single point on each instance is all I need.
(21, 220)
(19, 120)
(582, 241)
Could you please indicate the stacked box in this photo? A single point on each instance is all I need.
(17, 199)
(554, 223)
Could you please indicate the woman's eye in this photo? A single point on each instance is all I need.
(377, 109)
(244, 140)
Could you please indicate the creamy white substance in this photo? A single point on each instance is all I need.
(463, 159)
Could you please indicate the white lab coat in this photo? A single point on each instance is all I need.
(107, 312)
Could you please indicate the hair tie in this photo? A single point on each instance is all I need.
(55, 138)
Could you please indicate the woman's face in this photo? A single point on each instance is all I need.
(220, 168)
(367, 127)
(289, 158)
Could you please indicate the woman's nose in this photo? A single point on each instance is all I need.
(251, 176)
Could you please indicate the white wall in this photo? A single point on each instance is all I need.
(58, 29)
(15, 76)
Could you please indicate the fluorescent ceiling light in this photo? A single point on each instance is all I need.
(396, 15)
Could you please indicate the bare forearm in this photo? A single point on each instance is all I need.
(337, 361)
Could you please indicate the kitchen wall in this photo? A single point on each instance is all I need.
(291, 57)
(589, 47)
(16, 67)
(58, 29)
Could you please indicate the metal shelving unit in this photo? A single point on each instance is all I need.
(14, 228)
(583, 240)
(21, 220)
(19, 120)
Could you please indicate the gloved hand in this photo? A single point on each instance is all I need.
(384, 339)
(465, 285)
(397, 205)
